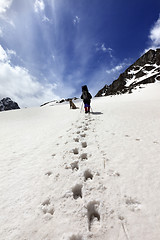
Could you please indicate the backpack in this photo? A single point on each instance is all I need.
(84, 88)
(85, 95)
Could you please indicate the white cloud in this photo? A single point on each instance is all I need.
(109, 50)
(10, 53)
(39, 6)
(154, 36)
(118, 67)
(101, 47)
(53, 57)
(115, 69)
(1, 32)
(45, 19)
(20, 86)
(3, 55)
(76, 20)
(4, 5)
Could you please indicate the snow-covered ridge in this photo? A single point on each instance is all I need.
(142, 73)
(145, 70)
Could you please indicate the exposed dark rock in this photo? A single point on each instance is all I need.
(136, 68)
(61, 101)
(7, 104)
(148, 68)
(102, 91)
(145, 70)
(54, 101)
(67, 100)
(158, 78)
(140, 74)
(152, 57)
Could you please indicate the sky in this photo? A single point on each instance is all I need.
(50, 48)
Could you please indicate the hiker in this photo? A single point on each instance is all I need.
(86, 96)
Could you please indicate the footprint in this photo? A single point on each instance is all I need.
(120, 217)
(113, 173)
(91, 120)
(127, 135)
(76, 237)
(85, 129)
(48, 173)
(75, 151)
(78, 132)
(83, 156)
(137, 139)
(77, 191)
(93, 216)
(133, 204)
(57, 176)
(46, 202)
(47, 208)
(84, 144)
(88, 175)
(156, 142)
(74, 166)
(83, 135)
(76, 139)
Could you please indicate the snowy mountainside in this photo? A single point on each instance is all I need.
(145, 70)
(67, 175)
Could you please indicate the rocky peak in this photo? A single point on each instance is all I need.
(8, 104)
(145, 70)
(150, 57)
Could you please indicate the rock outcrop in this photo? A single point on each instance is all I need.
(145, 70)
(8, 104)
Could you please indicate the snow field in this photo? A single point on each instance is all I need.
(70, 176)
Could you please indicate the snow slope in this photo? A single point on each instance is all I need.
(70, 176)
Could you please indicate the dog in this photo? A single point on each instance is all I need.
(72, 105)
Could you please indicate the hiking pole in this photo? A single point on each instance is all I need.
(81, 107)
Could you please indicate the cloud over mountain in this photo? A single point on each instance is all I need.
(20, 85)
(155, 34)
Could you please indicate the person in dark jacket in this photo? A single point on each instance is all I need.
(86, 96)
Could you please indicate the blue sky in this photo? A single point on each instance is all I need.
(50, 48)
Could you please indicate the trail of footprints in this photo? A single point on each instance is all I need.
(93, 215)
(92, 208)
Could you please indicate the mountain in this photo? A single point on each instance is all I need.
(8, 104)
(145, 70)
